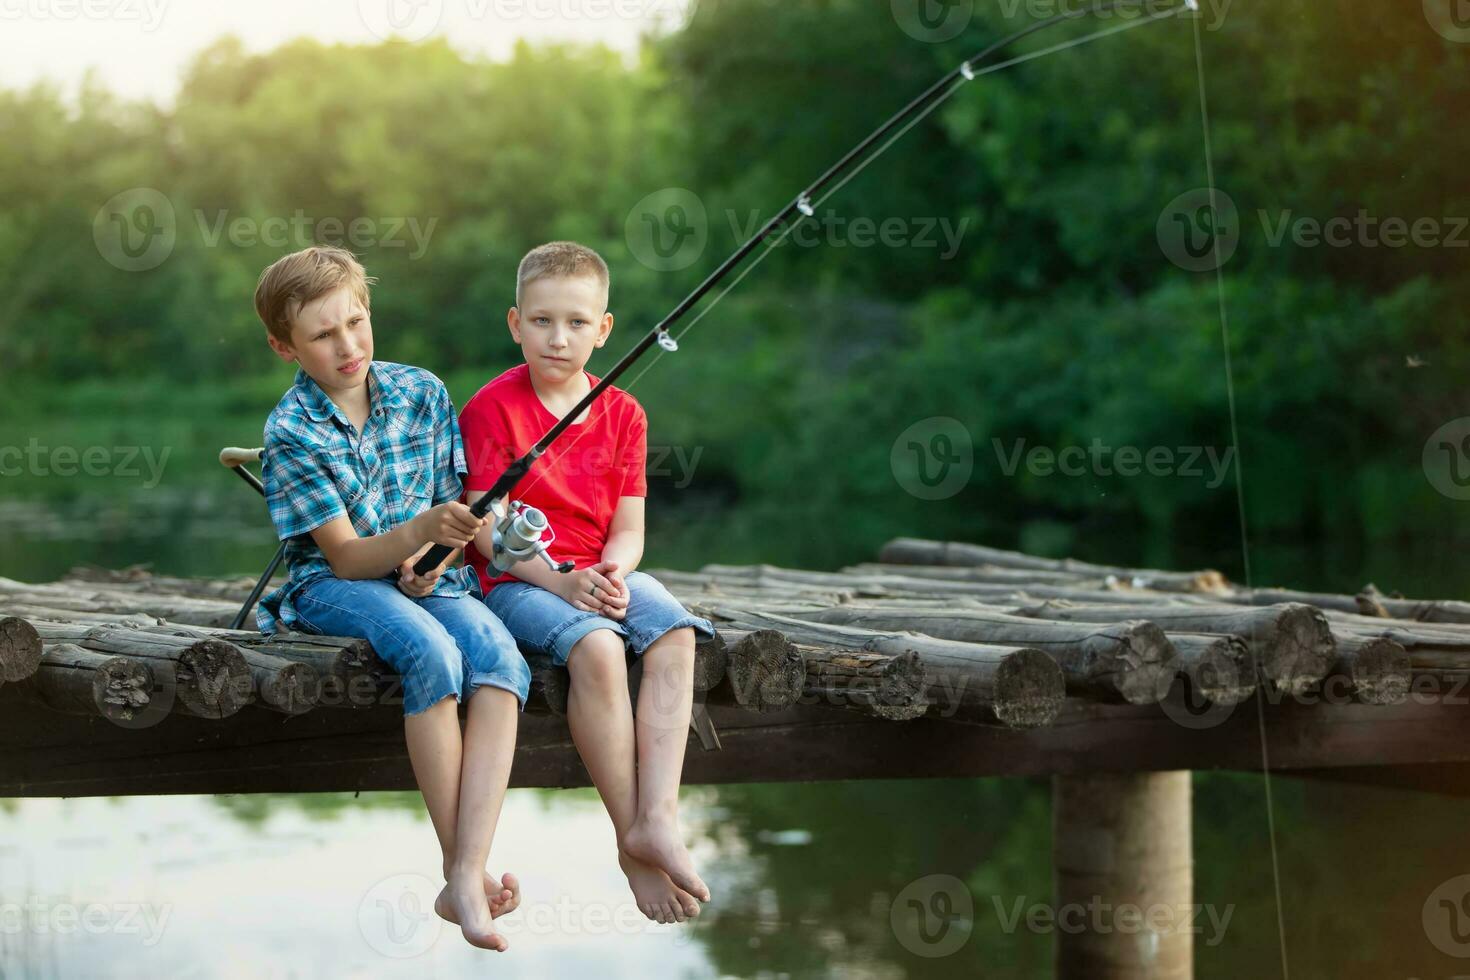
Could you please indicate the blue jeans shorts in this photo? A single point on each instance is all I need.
(440, 645)
(547, 624)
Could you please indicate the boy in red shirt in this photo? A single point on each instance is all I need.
(591, 486)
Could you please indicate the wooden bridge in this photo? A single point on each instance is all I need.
(941, 660)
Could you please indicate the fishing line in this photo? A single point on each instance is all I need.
(804, 205)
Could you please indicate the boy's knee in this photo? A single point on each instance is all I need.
(681, 638)
(599, 659)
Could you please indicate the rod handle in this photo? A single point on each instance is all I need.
(235, 456)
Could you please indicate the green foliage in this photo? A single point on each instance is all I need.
(1057, 320)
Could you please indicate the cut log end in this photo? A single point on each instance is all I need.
(1146, 667)
(20, 649)
(290, 688)
(1221, 672)
(77, 681)
(1304, 649)
(213, 680)
(1029, 689)
(711, 661)
(1380, 671)
(766, 672)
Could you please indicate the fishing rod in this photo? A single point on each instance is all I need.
(513, 522)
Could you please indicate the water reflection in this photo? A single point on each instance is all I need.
(812, 880)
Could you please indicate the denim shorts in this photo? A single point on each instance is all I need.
(547, 624)
(440, 645)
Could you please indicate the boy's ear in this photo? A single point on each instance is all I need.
(604, 329)
(513, 320)
(283, 350)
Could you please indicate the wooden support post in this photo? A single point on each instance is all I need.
(1123, 876)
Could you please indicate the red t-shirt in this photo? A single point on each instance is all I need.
(578, 481)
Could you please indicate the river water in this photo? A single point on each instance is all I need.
(810, 880)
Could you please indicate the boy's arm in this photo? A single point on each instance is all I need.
(625, 535)
(354, 557)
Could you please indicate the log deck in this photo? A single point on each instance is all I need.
(986, 663)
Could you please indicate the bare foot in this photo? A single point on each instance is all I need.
(462, 901)
(503, 896)
(655, 841)
(658, 897)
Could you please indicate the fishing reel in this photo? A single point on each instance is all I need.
(517, 536)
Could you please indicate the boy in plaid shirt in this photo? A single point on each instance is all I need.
(362, 472)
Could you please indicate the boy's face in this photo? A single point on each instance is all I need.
(559, 323)
(332, 341)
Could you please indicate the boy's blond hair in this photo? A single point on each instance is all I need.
(294, 280)
(556, 260)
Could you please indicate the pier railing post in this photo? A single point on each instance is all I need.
(1123, 878)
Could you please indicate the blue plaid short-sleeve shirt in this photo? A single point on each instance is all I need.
(318, 467)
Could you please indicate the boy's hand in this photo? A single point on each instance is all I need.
(589, 588)
(616, 606)
(452, 525)
(419, 586)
